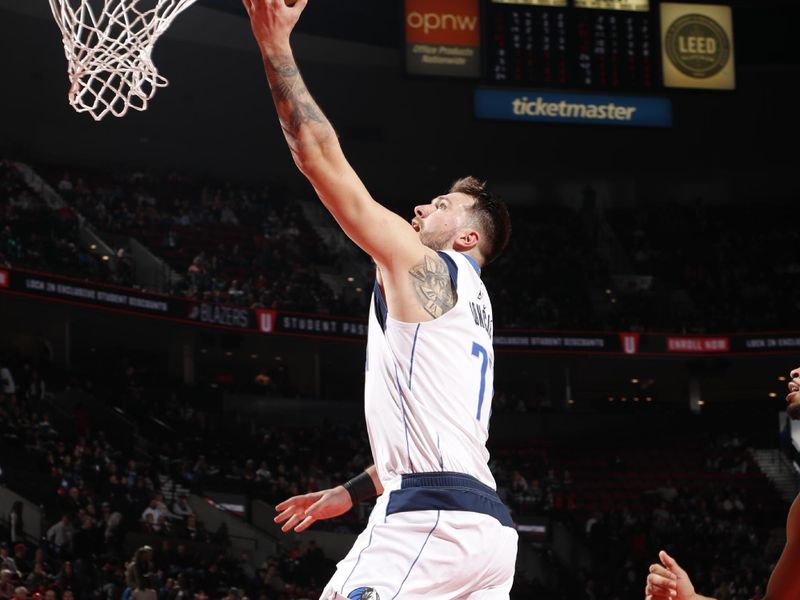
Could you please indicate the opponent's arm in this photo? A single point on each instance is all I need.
(785, 581)
(668, 581)
(315, 147)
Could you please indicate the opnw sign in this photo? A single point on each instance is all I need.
(443, 37)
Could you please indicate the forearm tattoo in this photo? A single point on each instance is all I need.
(431, 282)
(296, 107)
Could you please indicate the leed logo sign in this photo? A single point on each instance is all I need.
(698, 46)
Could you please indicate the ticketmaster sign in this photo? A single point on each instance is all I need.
(557, 107)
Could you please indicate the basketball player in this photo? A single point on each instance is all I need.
(669, 581)
(438, 529)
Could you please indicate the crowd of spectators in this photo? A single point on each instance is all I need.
(543, 279)
(623, 503)
(704, 501)
(38, 236)
(231, 244)
(729, 261)
(253, 246)
(95, 496)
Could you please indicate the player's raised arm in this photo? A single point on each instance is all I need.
(315, 146)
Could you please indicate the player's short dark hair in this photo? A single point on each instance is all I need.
(491, 214)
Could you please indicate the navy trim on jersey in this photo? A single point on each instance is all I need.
(473, 262)
(452, 268)
(425, 543)
(413, 348)
(447, 491)
(380, 306)
(403, 411)
(358, 560)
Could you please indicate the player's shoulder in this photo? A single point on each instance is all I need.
(461, 260)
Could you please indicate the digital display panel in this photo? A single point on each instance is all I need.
(532, 45)
(634, 5)
(533, 2)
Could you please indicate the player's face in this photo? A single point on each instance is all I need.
(440, 222)
(793, 399)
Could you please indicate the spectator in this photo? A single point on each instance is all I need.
(38, 578)
(6, 584)
(66, 580)
(181, 507)
(7, 386)
(7, 562)
(60, 536)
(152, 511)
(140, 575)
(21, 558)
(39, 558)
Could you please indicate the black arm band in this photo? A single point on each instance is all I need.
(360, 488)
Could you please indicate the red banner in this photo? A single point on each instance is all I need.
(266, 320)
(630, 342)
(698, 344)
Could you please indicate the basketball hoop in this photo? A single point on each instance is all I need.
(108, 49)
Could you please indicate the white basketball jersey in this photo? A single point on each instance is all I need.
(429, 385)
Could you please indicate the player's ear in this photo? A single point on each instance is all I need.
(467, 239)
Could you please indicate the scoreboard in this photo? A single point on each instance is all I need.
(578, 44)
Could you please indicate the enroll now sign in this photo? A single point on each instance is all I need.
(557, 107)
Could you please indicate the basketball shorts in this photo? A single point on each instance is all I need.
(431, 535)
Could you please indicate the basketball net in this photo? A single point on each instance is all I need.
(109, 48)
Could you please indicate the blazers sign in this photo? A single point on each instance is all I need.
(443, 37)
(697, 42)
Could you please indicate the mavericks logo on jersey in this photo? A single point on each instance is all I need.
(363, 593)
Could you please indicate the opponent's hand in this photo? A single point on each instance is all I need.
(272, 20)
(668, 581)
(299, 512)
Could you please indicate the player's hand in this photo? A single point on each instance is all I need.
(668, 581)
(299, 512)
(272, 20)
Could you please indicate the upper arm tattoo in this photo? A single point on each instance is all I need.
(431, 282)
